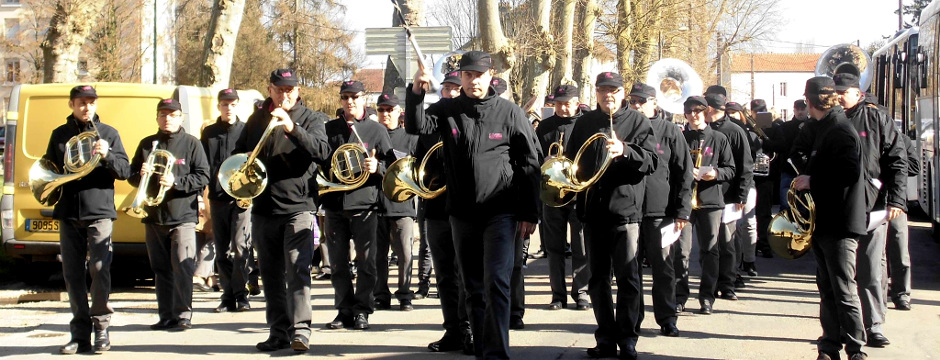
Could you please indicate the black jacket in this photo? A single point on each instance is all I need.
(435, 208)
(190, 170)
(833, 150)
(218, 141)
(669, 189)
(490, 152)
(783, 140)
(290, 159)
(883, 156)
(552, 128)
(617, 197)
(375, 137)
(913, 162)
(716, 152)
(403, 144)
(92, 196)
(737, 189)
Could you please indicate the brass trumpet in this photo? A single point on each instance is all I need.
(160, 162)
(698, 154)
(46, 179)
(403, 181)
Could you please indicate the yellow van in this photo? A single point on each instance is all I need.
(28, 230)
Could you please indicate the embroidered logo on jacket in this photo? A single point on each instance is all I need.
(180, 161)
(496, 136)
(862, 134)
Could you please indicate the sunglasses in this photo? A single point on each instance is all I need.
(638, 101)
(347, 97)
(694, 112)
(384, 109)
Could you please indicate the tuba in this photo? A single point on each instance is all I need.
(846, 58)
(160, 162)
(347, 168)
(674, 81)
(790, 233)
(403, 181)
(45, 179)
(560, 182)
(243, 176)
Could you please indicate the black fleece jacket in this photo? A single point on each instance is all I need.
(716, 152)
(375, 137)
(218, 141)
(883, 156)
(737, 189)
(290, 158)
(669, 189)
(554, 127)
(783, 140)
(435, 208)
(403, 144)
(92, 196)
(490, 150)
(617, 198)
(837, 184)
(190, 170)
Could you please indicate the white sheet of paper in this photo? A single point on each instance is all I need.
(729, 214)
(876, 218)
(702, 171)
(669, 233)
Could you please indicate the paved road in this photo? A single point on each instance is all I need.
(775, 318)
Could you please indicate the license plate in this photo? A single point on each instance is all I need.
(35, 225)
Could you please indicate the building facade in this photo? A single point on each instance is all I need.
(779, 79)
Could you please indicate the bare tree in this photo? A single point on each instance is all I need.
(219, 47)
(413, 12)
(110, 56)
(564, 34)
(494, 42)
(542, 59)
(584, 55)
(460, 15)
(70, 25)
(256, 54)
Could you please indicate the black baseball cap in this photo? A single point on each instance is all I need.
(692, 101)
(643, 91)
(758, 105)
(845, 81)
(499, 84)
(565, 93)
(549, 99)
(716, 89)
(475, 60)
(351, 86)
(799, 104)
(608, 78)
(452, 77)
(169, 104)
(284, 77)
(82, 91)
(716, 100)
(819, 85)
(387, 100)
(228, 94)
(733, 106)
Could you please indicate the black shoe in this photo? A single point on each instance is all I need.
(750, 268)
(300, 343)
(102, 341)
(669, 330)
(422, 293)
(184, 324)
(557, 305)
(75, 347)
(766, 253)
(468, 348)
(537, 255)
(164, 325)
(324, 274)
(583, 305)
(447, 343)
(680, 308)
(272, 344)
(224, 306)
(902, 304)
(877, 340)
(361, 322)
(739, 282)
(628, 352)
(515, 323)
(405, 305)
(825, 356)
(602, 351)
(382, 305)
(729, 295)
(339, 322)
(858, 356)
(242, 305)
(254, 289)
(706, 308)
(393, 261)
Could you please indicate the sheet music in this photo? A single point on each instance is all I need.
(729, 214)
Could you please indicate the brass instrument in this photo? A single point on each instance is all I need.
(698, 154)
(403, 181)
(674, 81)
(347, 167)
(790, 232)
(160, 162)
(45, 179)
(560, 182)
(842, 58)
(243, 176)
(761, 161)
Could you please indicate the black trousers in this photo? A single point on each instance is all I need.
(450, 287)
(614, 246)
(172, 253)
(840, 311)
(285, 254)
(395, 232)
(663, 269)
(485, 253)
(231, 226)
(360, 226)
(78, 239)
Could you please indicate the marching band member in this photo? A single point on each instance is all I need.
(746, 232)
(86, 215)
(666, 203)
(282, 217)
(492, 187)
(171, 225)
(611, 213)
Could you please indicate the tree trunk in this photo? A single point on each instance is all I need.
(543, 57)
(494, 42)
(219, 50)
(562, 73)
(624, 34)
(69, 27)
(412, 10)
(584, 57)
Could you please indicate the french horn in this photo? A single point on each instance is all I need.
(46, 179)
(790, 233)
(403, 181)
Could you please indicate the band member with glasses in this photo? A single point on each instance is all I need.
(86, 215)
(666, 203)
(353, 214)
(282, 217)
(491, 156)
(829, 155)
(171, 225)
(714, 168)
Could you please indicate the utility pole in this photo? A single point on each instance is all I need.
(718, 51)
(753, 85)
(900, 15)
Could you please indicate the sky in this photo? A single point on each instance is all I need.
(817, 24)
